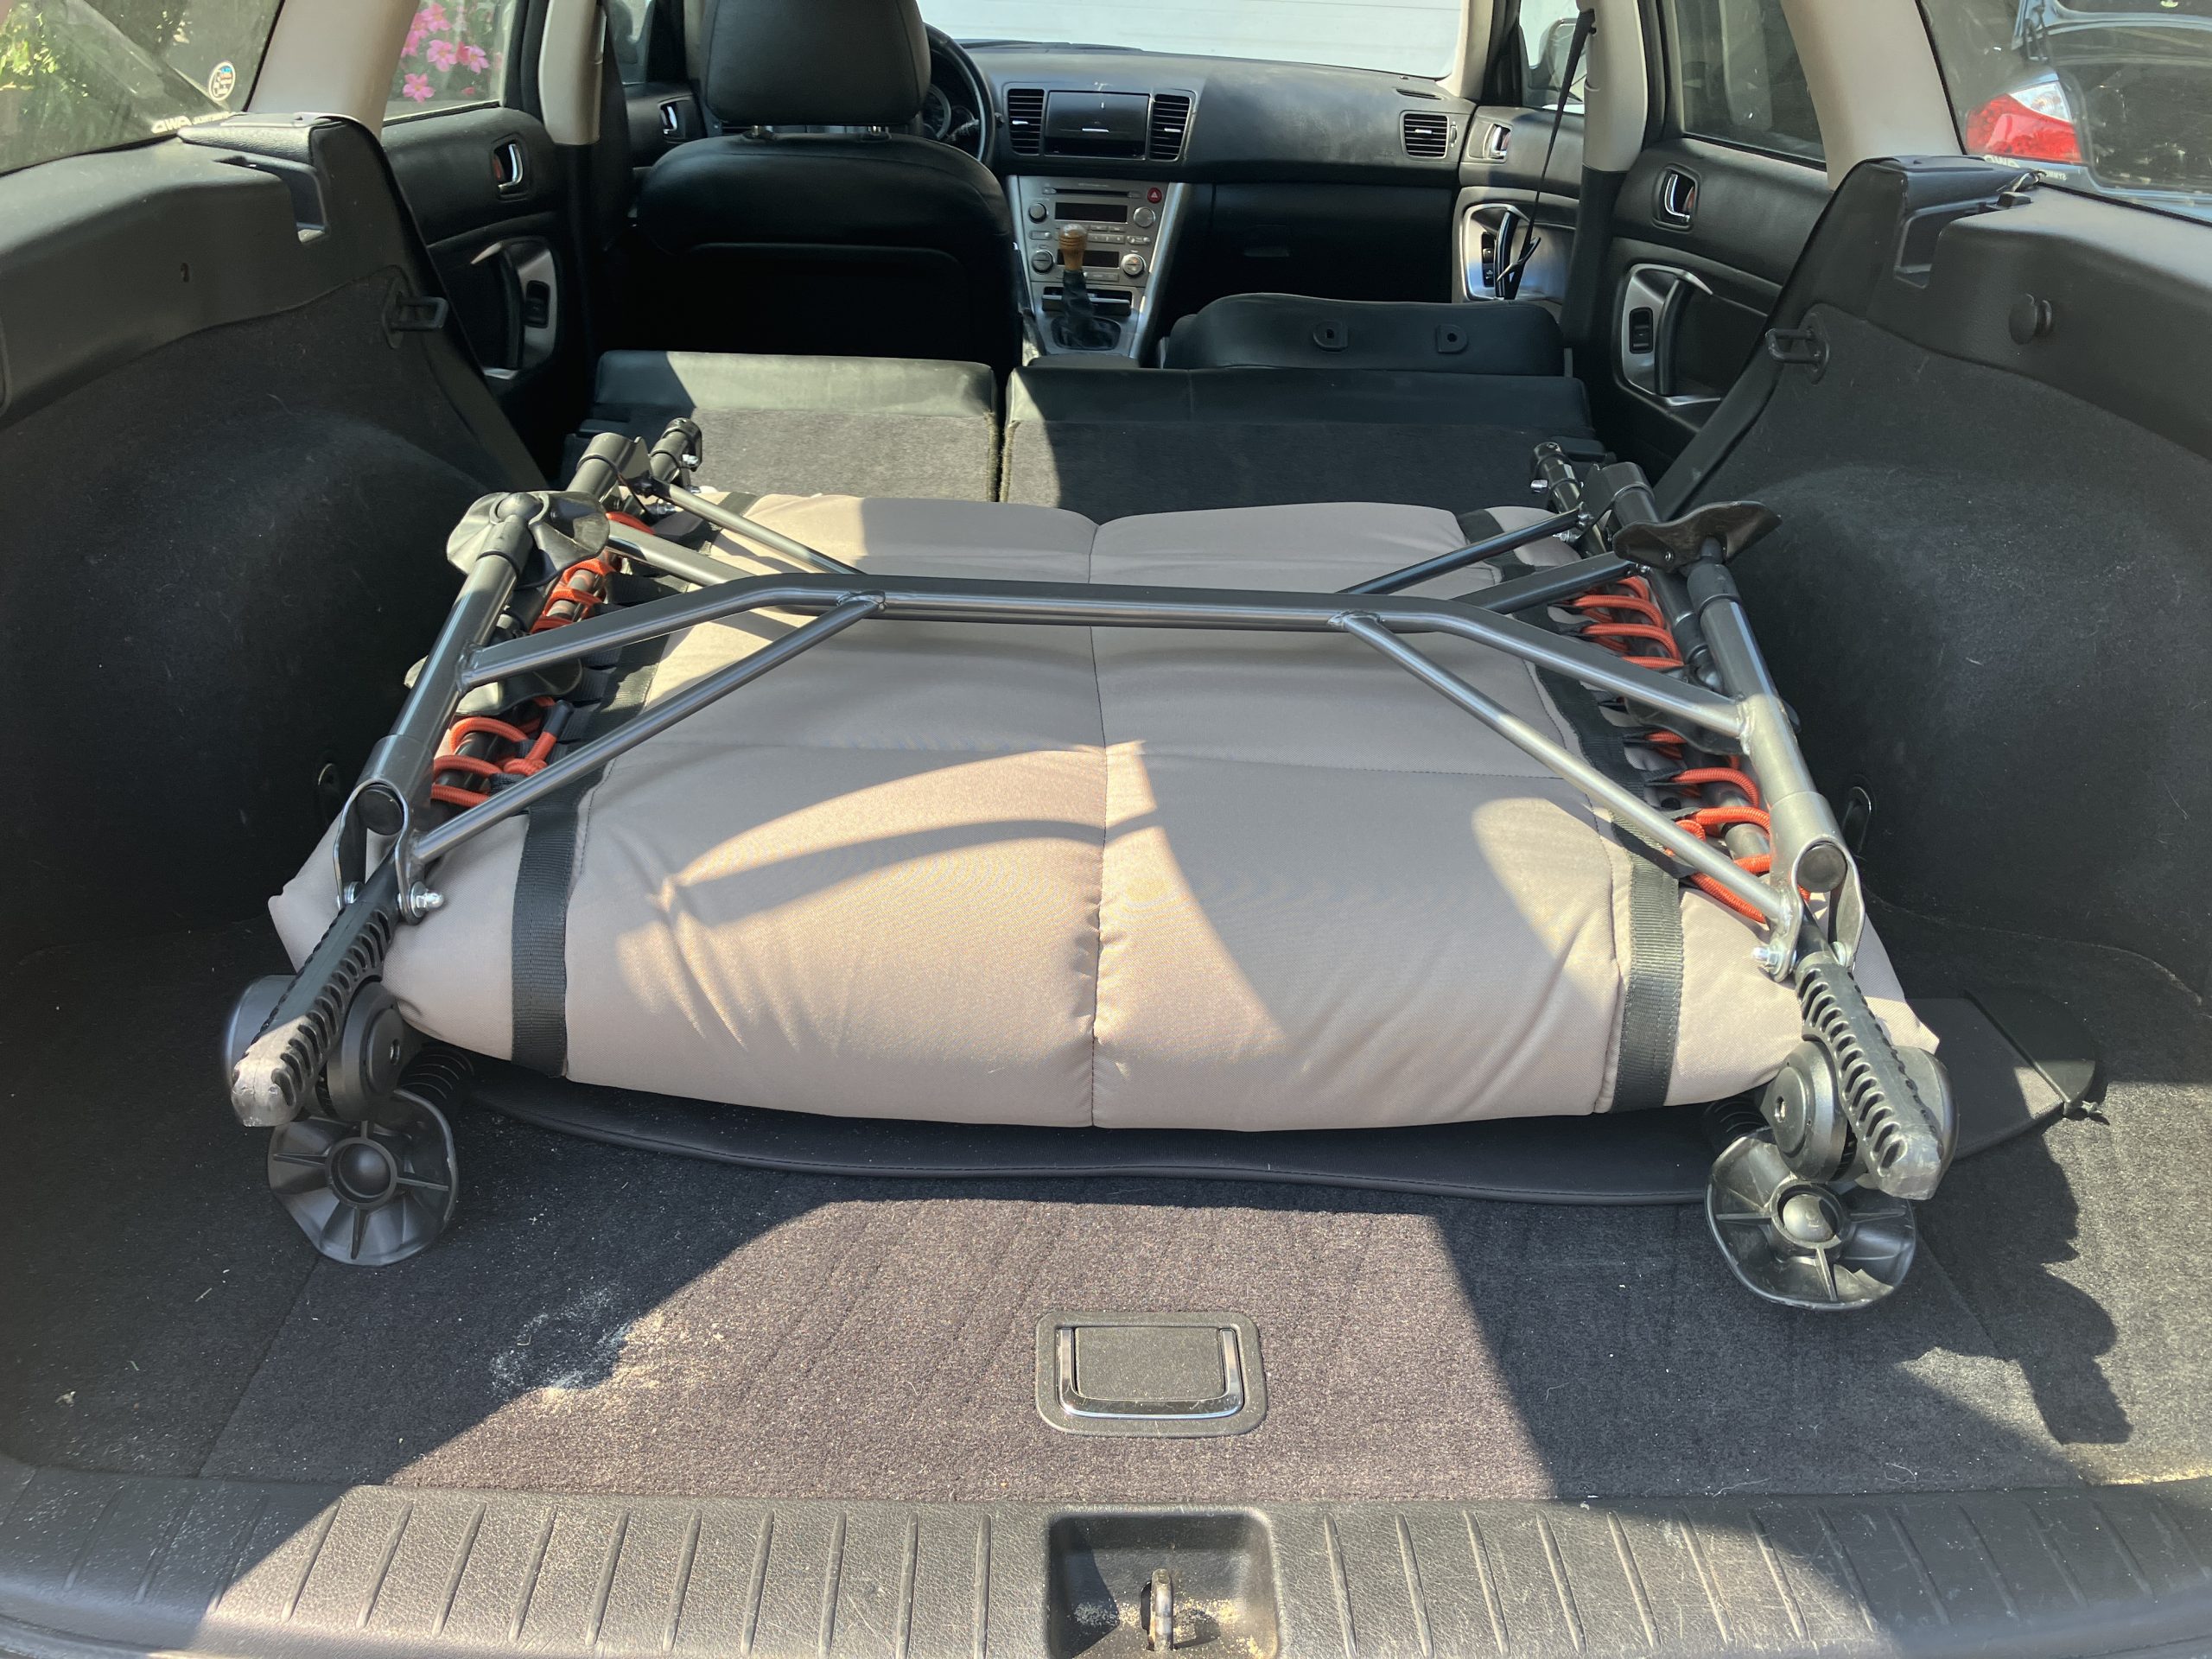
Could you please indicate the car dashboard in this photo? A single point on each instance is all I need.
(1212, 175)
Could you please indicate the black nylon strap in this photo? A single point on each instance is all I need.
(1651, 991)
(1651, 968)
(1478, 526)
(545, 877)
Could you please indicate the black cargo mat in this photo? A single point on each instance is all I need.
(602, 1319)
(1648, 1156)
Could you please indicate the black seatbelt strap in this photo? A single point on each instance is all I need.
(1507, 284)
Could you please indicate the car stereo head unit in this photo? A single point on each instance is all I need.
(1126, 220)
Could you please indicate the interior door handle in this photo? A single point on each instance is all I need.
(530, 282)
(510, 167)
(1653, 301)
(1670, 325)
(1676, 205)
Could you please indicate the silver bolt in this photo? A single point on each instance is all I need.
(421, 901)
(1770, 956)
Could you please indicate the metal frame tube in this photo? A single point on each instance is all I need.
(1529, 593)
(1647, 821)
(1473, 553)
(1807, 842)
(673, 558)
(429, 710)
(1543, 587)
(654, 718)
(917, 598)
(394, 780)
(738, 524)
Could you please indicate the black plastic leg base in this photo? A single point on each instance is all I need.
(1803, 1244)
(378, 1192)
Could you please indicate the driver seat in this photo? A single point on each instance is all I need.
(874, 243)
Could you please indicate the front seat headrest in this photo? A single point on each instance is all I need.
(846, 63)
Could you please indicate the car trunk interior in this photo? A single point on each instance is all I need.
(1986, 605)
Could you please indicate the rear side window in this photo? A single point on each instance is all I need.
(77, 76)
(454, 56)
(1737, 77)
(1546, 36)
(629, 27)
(2113, 96)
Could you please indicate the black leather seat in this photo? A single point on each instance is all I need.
(865, 244)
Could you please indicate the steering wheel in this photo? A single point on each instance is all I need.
(940, 123)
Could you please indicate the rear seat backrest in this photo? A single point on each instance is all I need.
(1290, 331)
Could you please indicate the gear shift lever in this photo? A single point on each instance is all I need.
(1079, 328)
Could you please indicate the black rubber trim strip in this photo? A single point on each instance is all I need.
(113, 1564)
(1655, 1157)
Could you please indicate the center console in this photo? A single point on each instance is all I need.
(1129, 226)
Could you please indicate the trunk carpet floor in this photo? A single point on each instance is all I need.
(605, 1320)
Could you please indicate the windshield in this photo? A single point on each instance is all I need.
(1408, 37)
(76, 76)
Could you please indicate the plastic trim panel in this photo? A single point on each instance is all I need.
(130, 1564)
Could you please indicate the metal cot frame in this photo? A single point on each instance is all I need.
(1811, 903)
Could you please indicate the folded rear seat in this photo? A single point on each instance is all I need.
(1070, 876)
(1295, 331)
(1106, 444)
(885, 426)
(1270, 398)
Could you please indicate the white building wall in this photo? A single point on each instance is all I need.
(1409, 36)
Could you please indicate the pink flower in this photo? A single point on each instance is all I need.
(432, 17)
(418, 88)
(475, 57)
(443, 54)
(414, 43)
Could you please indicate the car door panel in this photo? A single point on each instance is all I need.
(491, 193)
(1704, 235)
(661, 116)
(1499, 177)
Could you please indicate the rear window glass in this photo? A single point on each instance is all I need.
(454, 56)
(1546, 36)
(2113, 96)
(77, 76)
(1737, 78)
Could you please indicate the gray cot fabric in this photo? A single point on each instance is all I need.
(1117, 877)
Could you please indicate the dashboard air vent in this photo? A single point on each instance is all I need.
(1171, 120)
(1025, 119)
(1427, 136)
